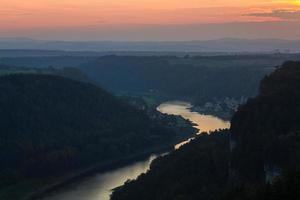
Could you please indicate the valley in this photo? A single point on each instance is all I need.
(100, 185)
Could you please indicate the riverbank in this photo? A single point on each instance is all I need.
(101, 168)
(224, 115)
(223, 109)
(183, 109)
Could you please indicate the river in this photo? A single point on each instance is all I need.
(99, 186)
(204, 123)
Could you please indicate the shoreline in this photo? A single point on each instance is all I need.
(76, 176)
(101, 168)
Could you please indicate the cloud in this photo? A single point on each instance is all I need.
(283, 15)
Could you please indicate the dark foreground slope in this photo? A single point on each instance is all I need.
(196, 171)
(52, 125)
(265, 141)
(267, 129)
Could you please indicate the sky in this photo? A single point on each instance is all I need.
(149, 19)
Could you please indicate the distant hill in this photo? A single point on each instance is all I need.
(46, 61)
(68, 72)
(198, 79)
(190, 77)
(52, 125)
(221, 45)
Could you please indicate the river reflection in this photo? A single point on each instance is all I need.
(99, 186)
(204, 123)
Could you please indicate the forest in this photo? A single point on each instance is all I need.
(196, 78)
(195, 171)
(55, 117)
(266, 129)
(67, 72)
(51, 126)
(149, 99)
(258, 158)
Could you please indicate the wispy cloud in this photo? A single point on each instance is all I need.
(282, 15)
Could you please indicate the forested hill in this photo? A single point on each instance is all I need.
(198, 170)
(267, 129)
(51, 125)
(190, 77)
(197, 79)
(262, 163)
(68, 72)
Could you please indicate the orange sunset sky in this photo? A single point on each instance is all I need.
(149, 19)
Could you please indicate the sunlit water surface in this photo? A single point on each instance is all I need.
(204, 123)
(99, 186)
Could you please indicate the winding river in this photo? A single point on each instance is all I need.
(99, 186)
(204, 123)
